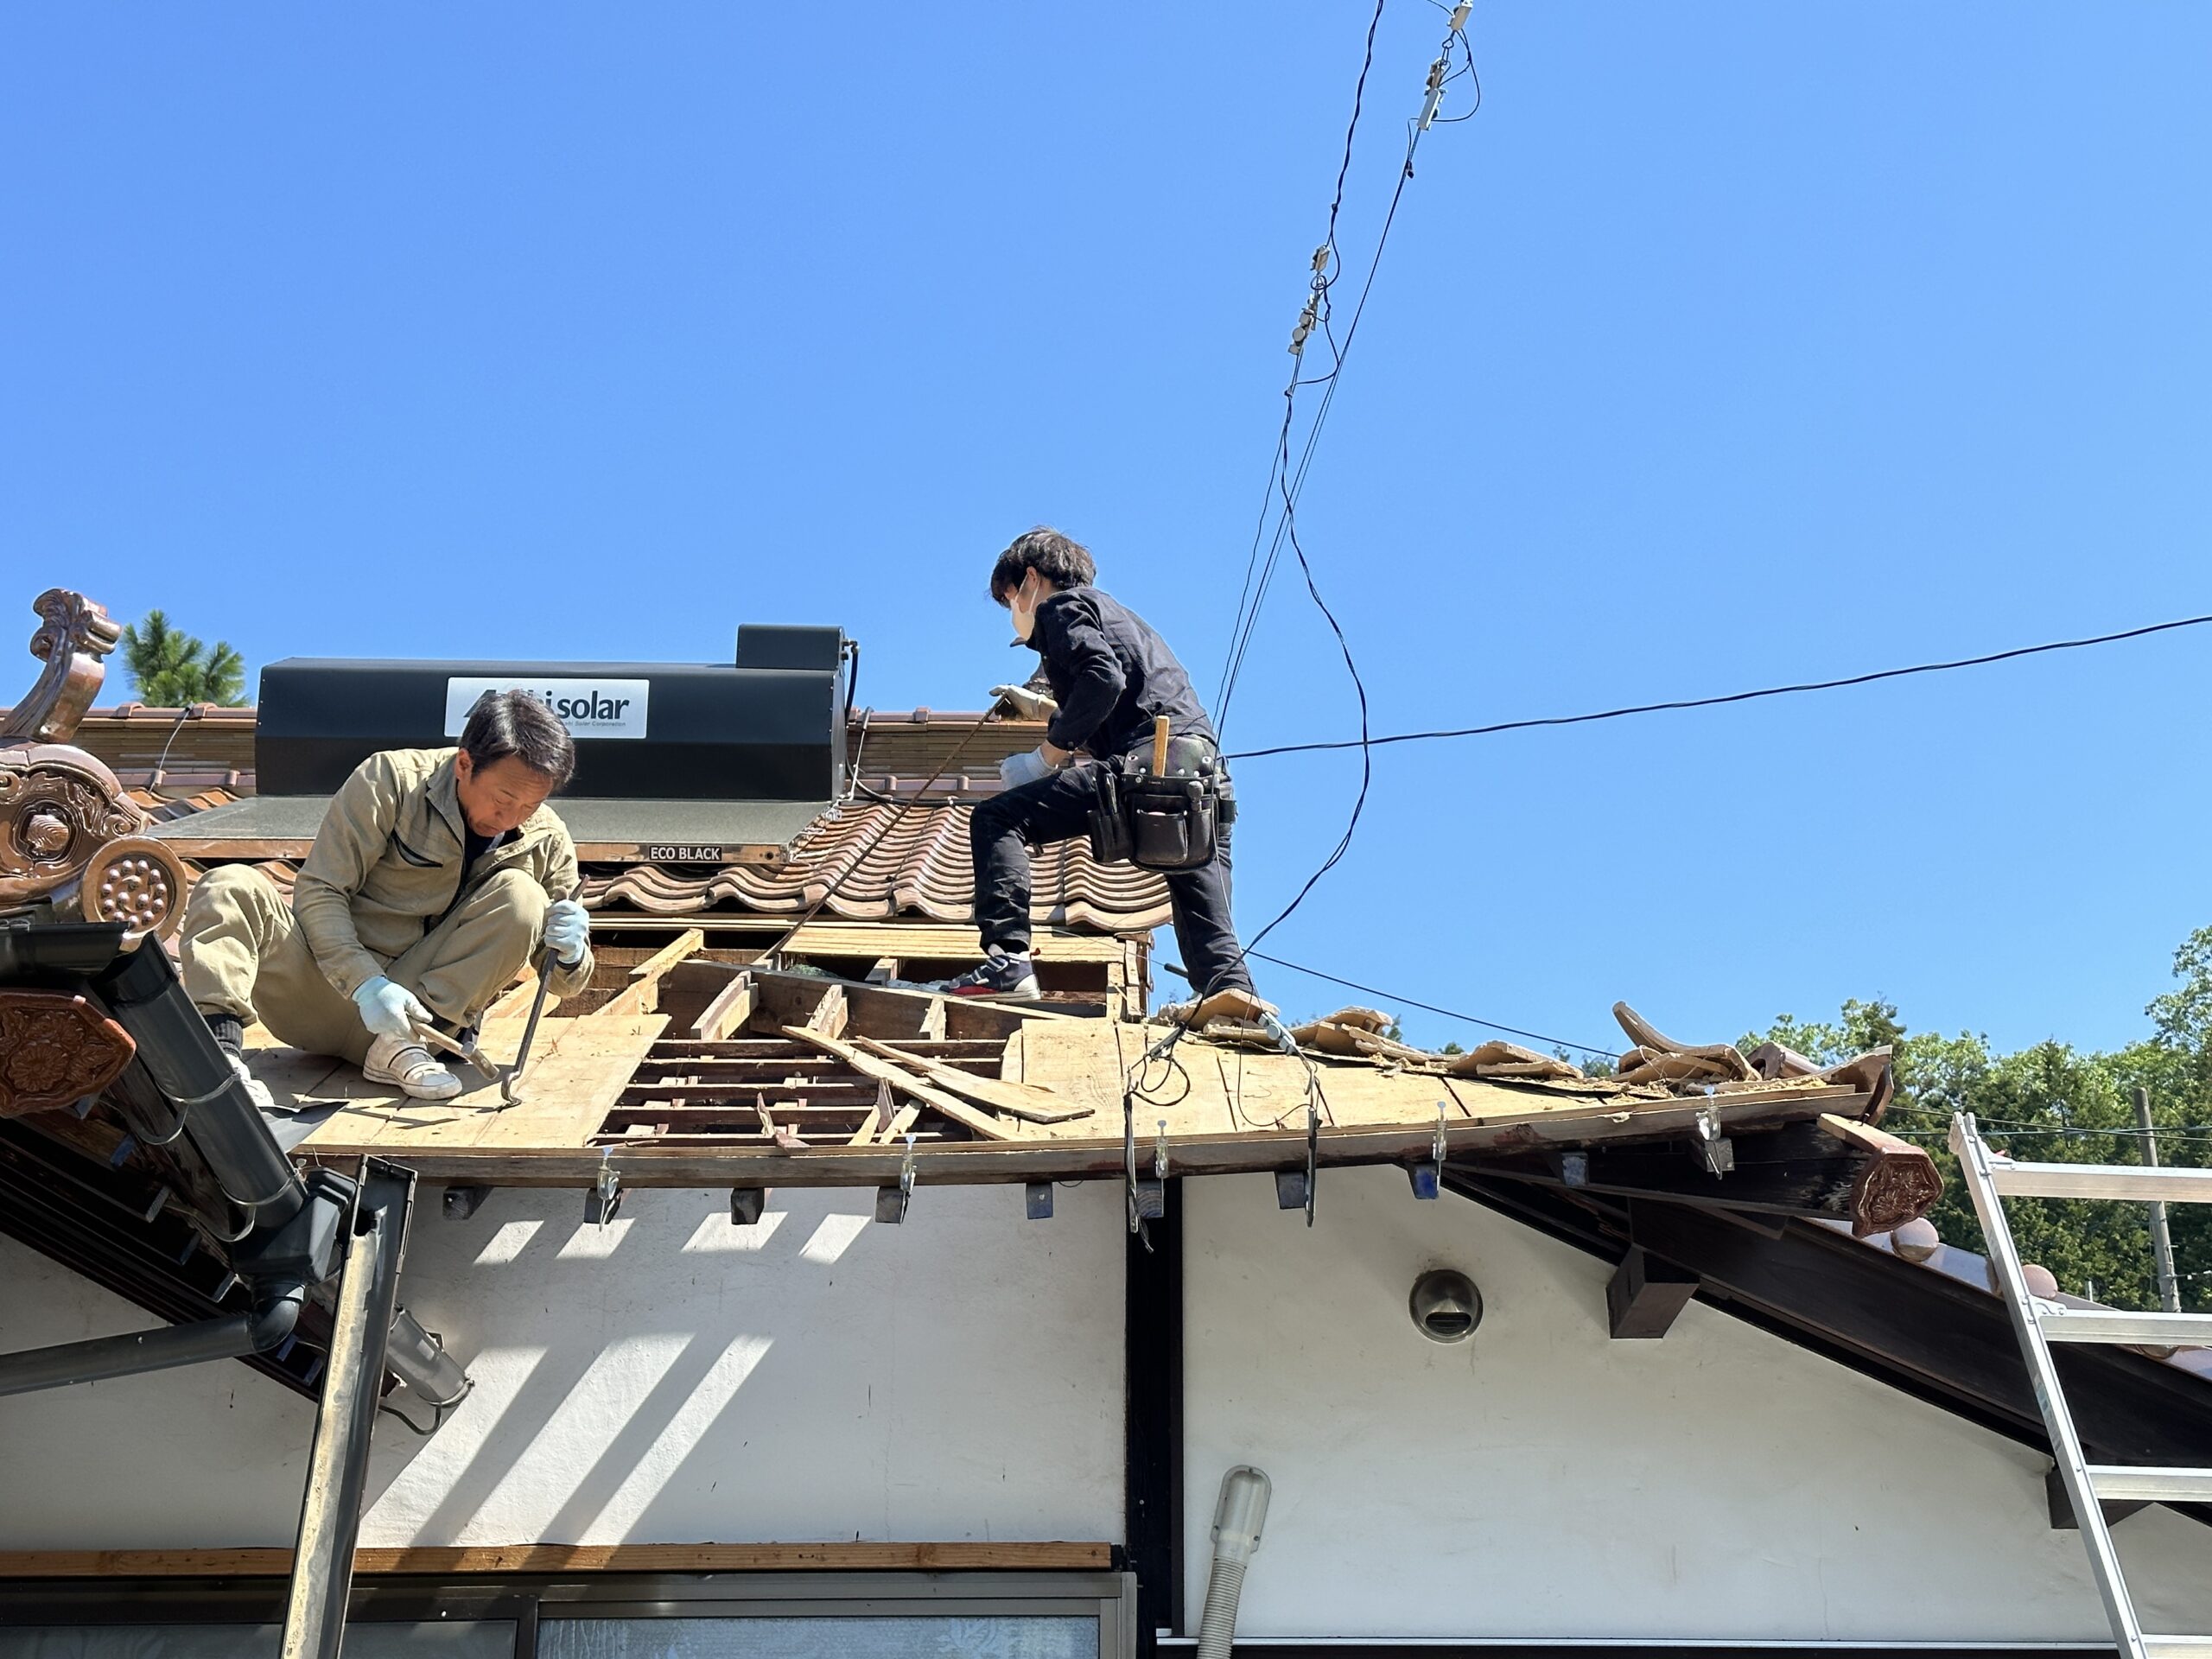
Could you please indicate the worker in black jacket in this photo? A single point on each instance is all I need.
(1109, 675)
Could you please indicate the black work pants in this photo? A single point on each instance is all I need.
(1058, 808)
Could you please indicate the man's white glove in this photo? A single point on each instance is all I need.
(1030, 705)
(568, 931)
(1026, 768)
(390, 1010)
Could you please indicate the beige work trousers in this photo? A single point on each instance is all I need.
(244, 955)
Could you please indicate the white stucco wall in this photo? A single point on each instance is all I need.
(1544, 1480)
(669, 1378)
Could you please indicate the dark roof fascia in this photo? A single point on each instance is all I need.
(1919, 1330)
(90, 1220)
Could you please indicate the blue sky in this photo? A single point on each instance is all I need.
(1728, 345)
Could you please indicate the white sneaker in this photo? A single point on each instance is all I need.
(408, 1067)
(256, 1090)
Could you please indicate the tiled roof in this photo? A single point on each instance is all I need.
(879, 869)
(885, 861)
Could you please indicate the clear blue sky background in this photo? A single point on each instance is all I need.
(1729, 344)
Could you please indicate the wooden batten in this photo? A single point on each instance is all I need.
(981, 1124)
(531, 1558)
(642, 994)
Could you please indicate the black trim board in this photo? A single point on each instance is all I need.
(1600, 1648)
(1918, 1330)
(1153, 1449)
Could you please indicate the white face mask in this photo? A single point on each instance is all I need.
(1022, 604)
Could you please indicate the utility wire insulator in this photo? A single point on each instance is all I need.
(1459, 15)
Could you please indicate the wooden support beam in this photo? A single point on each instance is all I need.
(783, 999)
(442, 1563)
(981, 1124)
(731, 1008)
(2062, 1508)
(1645, 1295)
(642, 994)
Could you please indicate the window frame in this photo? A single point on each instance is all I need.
(528, 1601)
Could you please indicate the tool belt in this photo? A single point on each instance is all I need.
(1166, 820)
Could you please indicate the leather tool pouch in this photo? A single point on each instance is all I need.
(1109, 829)
(1171, 822)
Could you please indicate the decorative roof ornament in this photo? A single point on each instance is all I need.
(70, 838)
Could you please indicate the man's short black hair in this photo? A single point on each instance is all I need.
(515, 723)
(1064, 561)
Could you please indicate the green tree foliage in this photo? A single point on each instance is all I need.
(172, 669)
(2057, 1102)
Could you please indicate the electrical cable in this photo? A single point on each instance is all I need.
(1318, 314)
(1431, 1007)
(1371, 743)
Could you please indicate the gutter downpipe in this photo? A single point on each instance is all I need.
(232, 1337)
(179, 1054)
(1238, 1516)
(330, 1508)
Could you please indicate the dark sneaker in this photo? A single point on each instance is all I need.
(995, 975)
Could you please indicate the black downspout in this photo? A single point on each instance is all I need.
(234, 1336)
(1153, 1461)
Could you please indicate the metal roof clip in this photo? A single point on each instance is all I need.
(1718, 1151)
(603, 1197)
(891, 1202)
(1428, 1178)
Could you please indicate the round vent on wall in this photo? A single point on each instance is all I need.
(1445, 1305)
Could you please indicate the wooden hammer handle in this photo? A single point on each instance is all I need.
(1159, 745)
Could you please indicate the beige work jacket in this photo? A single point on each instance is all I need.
(385, 866)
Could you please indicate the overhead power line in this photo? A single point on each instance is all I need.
(1431, 1007)
(1282, 480)
(1370, 743)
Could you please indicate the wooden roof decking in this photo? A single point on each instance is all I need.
(704, 1073)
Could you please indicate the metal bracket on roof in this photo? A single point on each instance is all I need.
(1036, 1200)
(603, 1197)
(891, 1202)
(746, 1204)
(1152, 1190)
(1291, 1189)
(1428, 1178)
(1718, 1151)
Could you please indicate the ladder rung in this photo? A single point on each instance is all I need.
(2099, 1181)
(2109, 1324)
(2120, 1481)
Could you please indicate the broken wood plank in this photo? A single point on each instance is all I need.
(1014, 1099)
(981, 1124)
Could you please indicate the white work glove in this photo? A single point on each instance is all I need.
(390, 1010)
(1026, 768)
(1030, 705)
(568, 931)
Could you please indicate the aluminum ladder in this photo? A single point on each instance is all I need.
(1991, 1177)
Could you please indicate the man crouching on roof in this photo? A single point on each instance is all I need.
(433, 878)
(1110, 676)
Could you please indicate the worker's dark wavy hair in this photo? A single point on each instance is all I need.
(514, 722)
(1064, 562)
